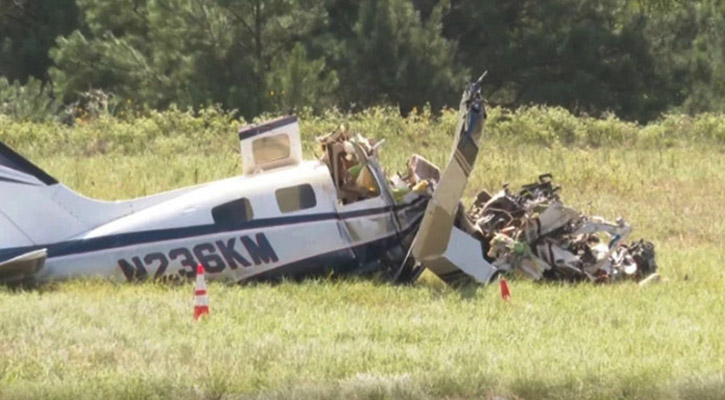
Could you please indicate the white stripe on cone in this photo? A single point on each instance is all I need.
(200, 283)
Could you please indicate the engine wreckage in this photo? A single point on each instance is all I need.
(533, 232)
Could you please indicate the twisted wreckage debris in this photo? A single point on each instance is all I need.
(533, 232)
(530, 231)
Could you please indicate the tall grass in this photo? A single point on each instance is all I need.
(211, 130)
(370, 340)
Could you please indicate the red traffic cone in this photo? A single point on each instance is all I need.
(201, 303)
(505, 292)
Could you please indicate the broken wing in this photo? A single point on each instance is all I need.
(449, 252)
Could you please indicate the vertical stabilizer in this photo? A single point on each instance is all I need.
(25, 206)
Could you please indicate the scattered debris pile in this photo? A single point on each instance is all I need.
(533, 232)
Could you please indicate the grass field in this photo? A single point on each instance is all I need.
(370, 340)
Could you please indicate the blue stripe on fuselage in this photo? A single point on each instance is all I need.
(11, 180)
(81, 246)
(320, 264)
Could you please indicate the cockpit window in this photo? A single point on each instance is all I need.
(353, 178)
(296, 198)
(233, 212)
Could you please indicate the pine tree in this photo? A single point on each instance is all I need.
(28, 29)
(396, 58)
(189, 52)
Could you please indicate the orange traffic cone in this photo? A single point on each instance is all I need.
(201, 304)
(505, 292)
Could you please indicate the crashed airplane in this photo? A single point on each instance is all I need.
(283, 218)
(289, 218)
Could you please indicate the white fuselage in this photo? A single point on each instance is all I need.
(171, 237)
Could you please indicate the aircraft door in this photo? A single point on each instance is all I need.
(365, 211)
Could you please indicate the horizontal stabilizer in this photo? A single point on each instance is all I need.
(22, 267)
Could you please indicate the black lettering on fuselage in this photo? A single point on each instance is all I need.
(261, 251)
(230, 255)
(135, 272)
(188, 263)
(207, 256)
(162, 260)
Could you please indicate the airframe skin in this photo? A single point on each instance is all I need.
(282, 218)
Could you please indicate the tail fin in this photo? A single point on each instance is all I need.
(36, 210)
(16, 169)
(30, 214)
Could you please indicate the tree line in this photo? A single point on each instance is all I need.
(634, 58)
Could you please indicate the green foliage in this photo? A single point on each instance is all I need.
(210, 130)
(637, 59)
(394, 58)
(707, 65)
(192, 53)
(28, 29)
(688, 42)
(30, 102)
(585, 56)
(238, 52)
(96, 132)
(295, 82)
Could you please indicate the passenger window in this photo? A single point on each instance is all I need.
(295, 198)
(236, 211)
(271, 148)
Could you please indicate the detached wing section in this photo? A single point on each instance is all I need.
(449, 252)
